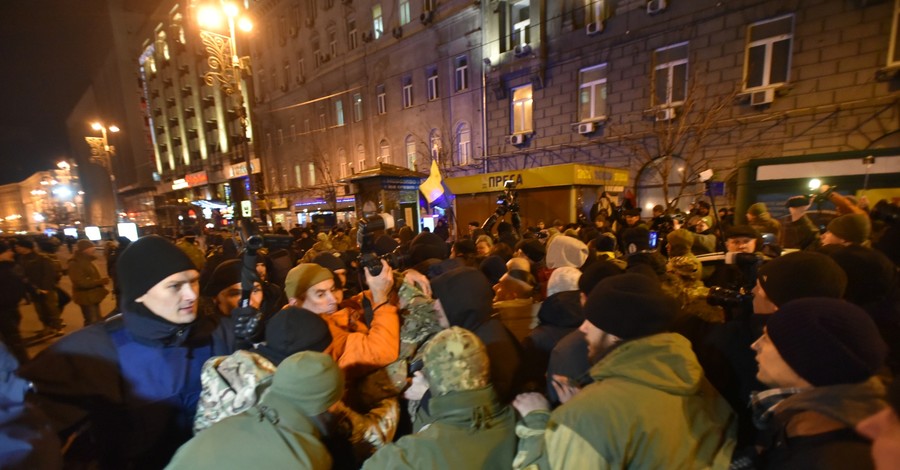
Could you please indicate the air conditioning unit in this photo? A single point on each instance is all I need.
(594, 27)
(759, 98)
(426, 17)
(586, 127)
(665, 114)
(516, 139)
(397, 32)
(522, 50)
(656, 6)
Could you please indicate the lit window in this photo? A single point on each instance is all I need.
(463, 144)
(596, 11)
(768, 58)
(404, 12)
(433, 85)
(435, 145)
(411, 152)
(297, 179)
(521, 110)
(670, 75)
(377, 21)
(339, 112)
(380, 101)
(407, 92)
(360, 157)
(461, 73)
(311, 168)
(592, 93)
(342, 161)
(357, 107)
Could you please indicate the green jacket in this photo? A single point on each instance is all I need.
(272, 434)
(468, 430)
(87, 284)
(650, 407)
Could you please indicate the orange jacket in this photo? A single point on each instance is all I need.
(359, 349)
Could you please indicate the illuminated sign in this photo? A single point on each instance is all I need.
(240, 169)
(180, 183)
(196, 179)
(571, 174)
(246, 208)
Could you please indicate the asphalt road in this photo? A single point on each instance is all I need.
(71, 313)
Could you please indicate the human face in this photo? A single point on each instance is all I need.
(174, 298)
(8, 255)
(503, 290)
(483, 249)
(741, 245)
(261, 271)
(773, 370)
(320, 298)
(829, 238)
(761, 302)
(229, 298)
(883, 428)
(598, 341)
(750, 217)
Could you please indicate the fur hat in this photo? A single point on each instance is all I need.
(146, 262)
(455, 360)
(827, 341)
(854, 228)
(801, 274)
(293, 330)
(309, 380)
(303, 276)
(630, 306)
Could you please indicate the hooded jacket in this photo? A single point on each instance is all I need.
(650, 407)
(472, 311)
(468, 429)
(135, 379)
(87, 284)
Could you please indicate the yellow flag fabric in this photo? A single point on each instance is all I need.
(432, 188)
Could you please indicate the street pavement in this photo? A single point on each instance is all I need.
(71, 314)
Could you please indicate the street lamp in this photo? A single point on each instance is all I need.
(102, 153)
(226, 66)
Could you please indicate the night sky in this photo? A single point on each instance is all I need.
(49, 49)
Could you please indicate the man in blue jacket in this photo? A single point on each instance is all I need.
(126, 389)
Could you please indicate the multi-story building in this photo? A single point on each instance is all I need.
(600, 95)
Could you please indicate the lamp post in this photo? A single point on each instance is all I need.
(102, 153)
(227, 67)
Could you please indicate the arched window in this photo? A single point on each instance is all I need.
(463, 144)
(384, 151)
(342, 162)
(434, 144)
(410, 147)
(360, 158)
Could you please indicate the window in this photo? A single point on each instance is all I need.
(360, 157)
(339, 112)
(357, 107)
(894, 47)
(461, 73)
(670, 75)
(463, 144)
(332, 40)
(521, 110)
(293, 132)
(428, 5)
(434, 143)
(411, 152)
(404, 12)
(323, 123)
(407, 92)
(596, 11)
(432, 80)
(317, 51)
(310, 12)
(287, 75)
(295, 16)
(352, 39)
(384, 151)
(768, 58)
(342, 162)
(282, 30)
(297, 172)
(280, 137)
(592, 93)
(520, 24)
(380, 102)
(311, 169)
(377, 21)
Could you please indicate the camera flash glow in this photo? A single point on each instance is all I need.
(814, 183)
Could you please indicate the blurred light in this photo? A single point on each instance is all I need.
(230, 9)
(815, 183)
(209, 16)
(114, 128)
(649, 206)
(245, 24)
(62, 191)
(38, 217)
(63, 165)
(96, 126)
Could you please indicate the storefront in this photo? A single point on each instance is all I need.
(554, 192)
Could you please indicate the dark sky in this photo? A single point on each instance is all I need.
(48, 49)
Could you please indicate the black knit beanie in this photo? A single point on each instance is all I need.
(293, 330)
(330, 261)
(636, 239)
(427, 245)
(465, 295)
(595, 273)
(630, 306)
(533, 249)
(801, 274)
(827, 341)
(493, 268)
(870, 274)
(146, 262)
(226, 274)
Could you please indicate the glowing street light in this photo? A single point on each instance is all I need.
(105, 157)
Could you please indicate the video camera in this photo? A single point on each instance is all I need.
(365, 238)
(738, 295)
(508, 202)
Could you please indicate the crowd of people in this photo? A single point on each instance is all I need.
(680, 341)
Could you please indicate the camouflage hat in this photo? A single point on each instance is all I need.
(455, 360)
(687, 267)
